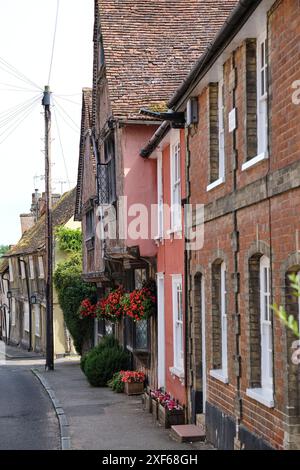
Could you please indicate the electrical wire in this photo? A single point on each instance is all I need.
(8, 125)
(62, 149)
(65, 121)
(19, 122)
(15, 72)
(67, 99)
(65, 112)
(53, 42)
(17, 87)
(10, 113)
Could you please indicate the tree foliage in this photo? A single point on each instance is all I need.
(3, 249)
(71, 291)
(69, 239)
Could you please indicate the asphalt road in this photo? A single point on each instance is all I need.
(27, 418)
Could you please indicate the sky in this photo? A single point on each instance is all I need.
(26, 40)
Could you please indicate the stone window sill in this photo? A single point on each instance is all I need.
(262, 395)
(216, 183)
(220, 375)
(254, 161)
(176, 371)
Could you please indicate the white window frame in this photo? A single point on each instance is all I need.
(11, 270)
(221, 109)
(262, 101)
(31, 267)
(26, 316)
(222, 374)
(13, 311)
(178, 333)
(265, 393)
(160, 198)
(22, 267)
(175, 186)
(41, 267)
(37, 319)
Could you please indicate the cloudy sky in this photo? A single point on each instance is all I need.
(26, 39)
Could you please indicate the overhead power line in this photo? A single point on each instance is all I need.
(29, 111)
(8, 68)
(66, 113)
(62, 149)
(53, 42)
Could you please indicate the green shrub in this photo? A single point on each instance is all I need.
(103, 361)
(71, 291)
(116, 383)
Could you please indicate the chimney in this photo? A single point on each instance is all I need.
(27, 221)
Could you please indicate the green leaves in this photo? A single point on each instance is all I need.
(69, 239)
(288, 320)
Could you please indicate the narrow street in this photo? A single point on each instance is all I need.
(27, 418)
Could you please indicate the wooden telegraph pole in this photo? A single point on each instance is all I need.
(48, 232)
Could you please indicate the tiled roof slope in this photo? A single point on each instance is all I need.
(86, 124)
(34, 239)
(150, 46)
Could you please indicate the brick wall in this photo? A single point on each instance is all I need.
(255, 212)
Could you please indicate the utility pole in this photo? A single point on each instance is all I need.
(48, 232)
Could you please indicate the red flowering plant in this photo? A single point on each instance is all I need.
(87, 309)
(141, 303)
(129, 376)
(111, 308)
(165, 400)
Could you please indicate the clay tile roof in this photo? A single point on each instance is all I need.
(150, 46)
(86, 125)
(33, 240)
(3, 265)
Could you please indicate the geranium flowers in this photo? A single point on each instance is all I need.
(139, 305)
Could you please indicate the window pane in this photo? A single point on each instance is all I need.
(141, 336)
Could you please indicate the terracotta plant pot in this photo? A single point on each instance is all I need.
(135, 388)
(168, 418)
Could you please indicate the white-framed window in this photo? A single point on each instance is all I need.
(11, 270)
(37, 318)
(160, 200)
(31, 267)
(222, 374)
(266, 325)
(221, 129)
(22, 267)
(178, 339)
(175, 187)
(224, 321)
(26, 316)
(13, 311)
(41, 267)
(262, 95)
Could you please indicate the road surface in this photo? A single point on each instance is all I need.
(27, 418)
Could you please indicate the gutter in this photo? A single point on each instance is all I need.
(155, 139)
(234, 23)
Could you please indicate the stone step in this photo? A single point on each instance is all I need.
(187, 433)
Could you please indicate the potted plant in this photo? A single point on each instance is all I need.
(110, 307)
(170, 413)
(134, 382)
(87, 309)
(139, 304)
(156, 397)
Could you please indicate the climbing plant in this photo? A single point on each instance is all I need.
(69, 239)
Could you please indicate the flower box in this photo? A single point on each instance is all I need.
(168, 418)
(134, 388)
(147, 402)
(154, 409)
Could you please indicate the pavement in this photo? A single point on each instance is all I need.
(99, 419)
(59, 409)
(27, 417)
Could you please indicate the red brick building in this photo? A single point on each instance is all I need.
(139, 61)
(242, 164)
